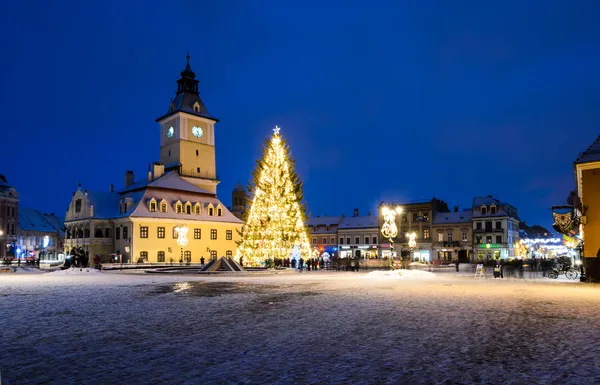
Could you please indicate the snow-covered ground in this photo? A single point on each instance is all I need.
(311, 327)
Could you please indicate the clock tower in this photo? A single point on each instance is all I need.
(187, 135)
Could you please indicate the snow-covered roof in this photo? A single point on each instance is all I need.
(453, 217)
(323, 221)
(33, 220)
(171, 180)
(106, 204)
(361, 222)
(57, 222)
(141, 208)
(487, 200)
(592, 154)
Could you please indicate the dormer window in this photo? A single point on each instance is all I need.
(163, 206)
(178, 207)
(188, 208)
(483, 210)
(219, 212)
(493, 209)
(197, 208)
(210, 211)
(152, 205)
(196, 107)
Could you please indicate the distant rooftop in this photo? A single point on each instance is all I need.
(592, 154)
(453, 217)
(360, 222)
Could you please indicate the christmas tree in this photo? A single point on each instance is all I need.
(276, 214)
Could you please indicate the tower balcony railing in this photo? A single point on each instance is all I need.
(200, 175)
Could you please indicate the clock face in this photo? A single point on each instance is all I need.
(170, 132)
(197, 131)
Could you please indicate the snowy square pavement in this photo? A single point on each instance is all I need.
(301, 328)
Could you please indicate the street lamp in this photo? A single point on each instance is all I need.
(389, 229)
(412, 243)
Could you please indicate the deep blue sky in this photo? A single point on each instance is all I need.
(378, 100)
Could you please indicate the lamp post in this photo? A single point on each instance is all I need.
(389, 229)
(182, 240)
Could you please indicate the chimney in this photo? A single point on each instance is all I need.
(158, 170)
(455, 209)
(128, 178)
(111, 188)
(355, 212)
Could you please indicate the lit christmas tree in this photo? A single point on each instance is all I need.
(276, 215)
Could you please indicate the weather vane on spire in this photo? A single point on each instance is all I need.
(276, 130)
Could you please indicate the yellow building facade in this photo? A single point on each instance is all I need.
(587, 173)
(148, 219)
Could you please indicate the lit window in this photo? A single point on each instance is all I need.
(213, 234)
(229, 235)
(163, 207)
(440, 237)
(152, 206)
(160, 232)
(464, 236)
(228, 254)
(144, 232)
(197, 233)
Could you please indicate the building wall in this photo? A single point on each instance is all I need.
(365, 244)
(198, 247)
(454, 245)
(9, 223)
(590, 185)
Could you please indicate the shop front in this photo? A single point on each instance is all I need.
(491, 252)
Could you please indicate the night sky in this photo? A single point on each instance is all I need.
(379, 101)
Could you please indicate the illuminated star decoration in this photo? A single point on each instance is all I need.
(276, 130)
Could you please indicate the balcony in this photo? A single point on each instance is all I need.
(488, 231)
(198, 175)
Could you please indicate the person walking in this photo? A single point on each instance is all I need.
(456, 265)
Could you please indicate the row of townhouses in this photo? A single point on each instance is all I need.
(27, 234)
(487, 230)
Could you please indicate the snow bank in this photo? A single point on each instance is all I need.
(28, 270)
(404, 274)
(76, 271)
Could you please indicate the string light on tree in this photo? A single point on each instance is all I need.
(275, 219)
